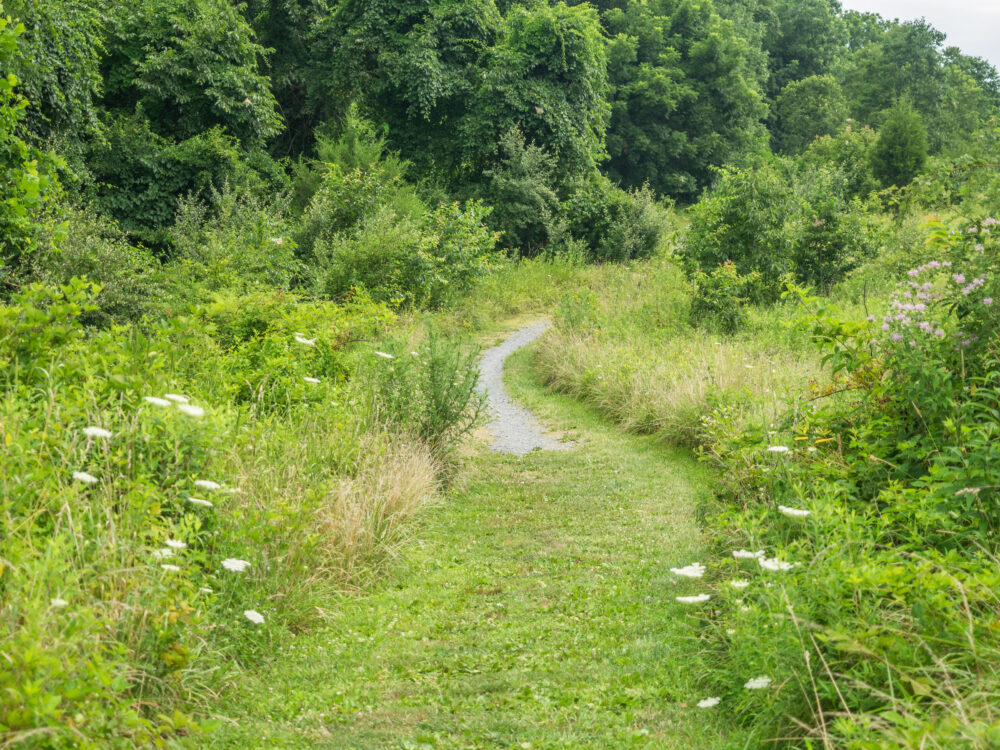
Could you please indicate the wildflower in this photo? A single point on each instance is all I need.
(207, 484)
(744, 554)
(694, 570)
(897, 337)
(156, 401)
(162, 554)
(709, 702)
(311, 380)
(176, 398)
(757, 683)
(793, 512)
(303, 340)
(980, 248)
(987, 301)
(871, 318)
(59, 603)
(205, 590)
(697, 599)
(237, 566)
(778, 449)
(959, 278)
(168, 566)
(739, 583)
(175, 543)
(85, 477)
(199, 501)
(968, 491)
(191, 410)
(749, 367)
(96, 432)
(774, 563)
(383, 355)
(254, 616)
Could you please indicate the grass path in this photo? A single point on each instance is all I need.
(534, 609)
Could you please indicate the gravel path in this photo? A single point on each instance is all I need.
(515, 428)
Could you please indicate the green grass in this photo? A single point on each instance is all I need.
(533, 608)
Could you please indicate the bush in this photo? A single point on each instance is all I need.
(615, 224)
(742, 221)
(720, 297)
(129, 277)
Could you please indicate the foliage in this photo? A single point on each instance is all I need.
(615, 225)
(900, 152)
(59, 70)
(189, 66)
(806, 109)
(850, 152)
(682, 100)
(719, 297)
(30, 177)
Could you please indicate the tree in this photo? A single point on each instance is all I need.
(806, 39)
(901, 150)
(189, 66)
(808, 108)
(682, 100)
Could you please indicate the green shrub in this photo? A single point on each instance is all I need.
(720, 297)
(131, 285)
(615, 224)
(743, 221)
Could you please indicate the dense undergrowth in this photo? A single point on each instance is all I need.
(851, 600)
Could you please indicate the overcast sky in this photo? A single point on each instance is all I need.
(971, 25)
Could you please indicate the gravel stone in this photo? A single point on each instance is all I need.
(515, 428)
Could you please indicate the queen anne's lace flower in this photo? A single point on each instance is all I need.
(694, 570)
(82, 476)
(199, 501)
(757, 683)
(739, 583)
(156, 401)
(191, 410)
(383, 355)
(774, 563)
(709, 702)
(745, 554)
(253, 616)
(59, 603)
(96, 432)
(697, 599)
(793, 512)
(207, 484)
(172, 568)
(778, 449)
(311, 380)
(176, 398)
(237, 566)
(304, 341)
(175, 543)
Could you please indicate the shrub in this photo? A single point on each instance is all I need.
(743, 221)
(615, 224)
(130, 282)
(720, 297)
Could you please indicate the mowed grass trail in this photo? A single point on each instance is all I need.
(533, 609)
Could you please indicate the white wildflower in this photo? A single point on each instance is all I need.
(168, 566)
(175, 543)
(968, 491)
(745, 554)
(96, 432)
(237, 566)
(205, 590)
(383, 355)
(311, 380)
(794, 512)
(739, 583)
(697, 599)
(207, 484)
(253, 616)
(156, 401)
(59, 603)
(709, 702)
(778, 449)
(199, 501)
(84, 477)
(176, 398)
(694, 570)
(303, 340)
(774, 563)
(161, 554)
(757, 683)
(191, 410)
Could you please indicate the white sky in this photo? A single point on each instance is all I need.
(971, 25)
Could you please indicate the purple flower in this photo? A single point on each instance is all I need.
(946, 264)
(939, 333)
(871, 318)
(959, 278)
(914, 272)
(933, 264)
(897, 337)
(987, 301)
(885, 326)
(920, 307)
(973, 230)
(980, 248)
